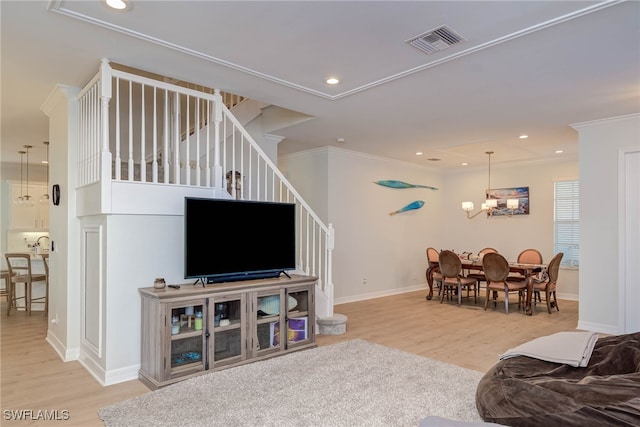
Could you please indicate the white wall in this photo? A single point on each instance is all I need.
(64, 276)
(309, 171)
(156, 251)
(600, 143)
(389, 251)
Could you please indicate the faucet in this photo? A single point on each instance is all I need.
(37, 245)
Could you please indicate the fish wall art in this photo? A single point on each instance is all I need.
(411, 206)
(391, 183)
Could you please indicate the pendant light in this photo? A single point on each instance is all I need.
(44, 199)
(20, 199)
(27, 198)
(490, 204)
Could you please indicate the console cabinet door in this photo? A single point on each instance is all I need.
(185, 351)
(267, 318)
(300, 316)
(228, 340)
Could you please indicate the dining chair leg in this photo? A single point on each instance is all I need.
(460, 294)
(11, 290)
(555, 301)
(46, 301)
(506, 302)
(547, 296)
(27, 298)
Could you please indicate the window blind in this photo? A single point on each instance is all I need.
(566, 222)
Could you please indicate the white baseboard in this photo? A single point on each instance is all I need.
(379, 294)
(66, 354)
(570, 297)
(599, 327)
(389, 292)
(121, 375)
(106, 378)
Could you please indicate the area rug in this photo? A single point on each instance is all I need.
(352, 383)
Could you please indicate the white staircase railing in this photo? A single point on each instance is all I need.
(135, 129)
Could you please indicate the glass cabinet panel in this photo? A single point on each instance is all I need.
(228, 329)
(187, 343)
(268, 315)
(186, 351)
(298, 303)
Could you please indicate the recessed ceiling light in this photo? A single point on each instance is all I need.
(523, 136)
(118, 4)
(464, 164)
(419, 153)
(559, 151)
(332, 81)
(340, 139)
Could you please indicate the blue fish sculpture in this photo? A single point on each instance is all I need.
(401, 184)
(411, 206)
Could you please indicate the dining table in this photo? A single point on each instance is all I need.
(527, 270)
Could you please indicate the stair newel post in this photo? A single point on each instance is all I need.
(105, 154)
(328, 278)
(218, 182)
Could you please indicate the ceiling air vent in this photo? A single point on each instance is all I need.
(434, 41)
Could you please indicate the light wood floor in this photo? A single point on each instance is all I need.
(32, 376)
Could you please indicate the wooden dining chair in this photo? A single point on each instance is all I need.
(496, 270)
(45, 261)
(527, 256)
(480, 277)
(4, 291)
(451, 270)
(19, 265)
(549, 285)
(433, 269)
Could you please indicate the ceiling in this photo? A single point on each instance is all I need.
(532, 67)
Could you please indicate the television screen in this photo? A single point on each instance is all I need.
(229, 240)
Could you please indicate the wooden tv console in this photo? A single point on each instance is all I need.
(197, 329)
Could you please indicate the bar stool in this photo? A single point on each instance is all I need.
(45, 260)
(20, 272)
(4, 292)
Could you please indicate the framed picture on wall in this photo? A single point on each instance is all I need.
(503, 194)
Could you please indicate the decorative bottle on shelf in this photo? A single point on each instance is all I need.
(175, 326)
(198, 321)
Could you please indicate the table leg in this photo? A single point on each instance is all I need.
(527, 307)
(429, 275)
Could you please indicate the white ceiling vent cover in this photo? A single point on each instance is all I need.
(434, 41)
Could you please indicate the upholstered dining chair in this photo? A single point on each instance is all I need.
(451, 270)
(19, 265)
(548, 286)
(527, 256)
(433, 269)
(496, 270)
(480, 277)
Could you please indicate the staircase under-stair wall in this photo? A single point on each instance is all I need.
(145, 145)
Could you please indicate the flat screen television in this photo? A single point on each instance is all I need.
(228, 240)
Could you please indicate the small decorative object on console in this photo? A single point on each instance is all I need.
(198, 321)
(159, 283)
(175, 326)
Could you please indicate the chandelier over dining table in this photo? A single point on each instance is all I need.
(490, 204)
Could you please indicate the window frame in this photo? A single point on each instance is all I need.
(566, 221)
